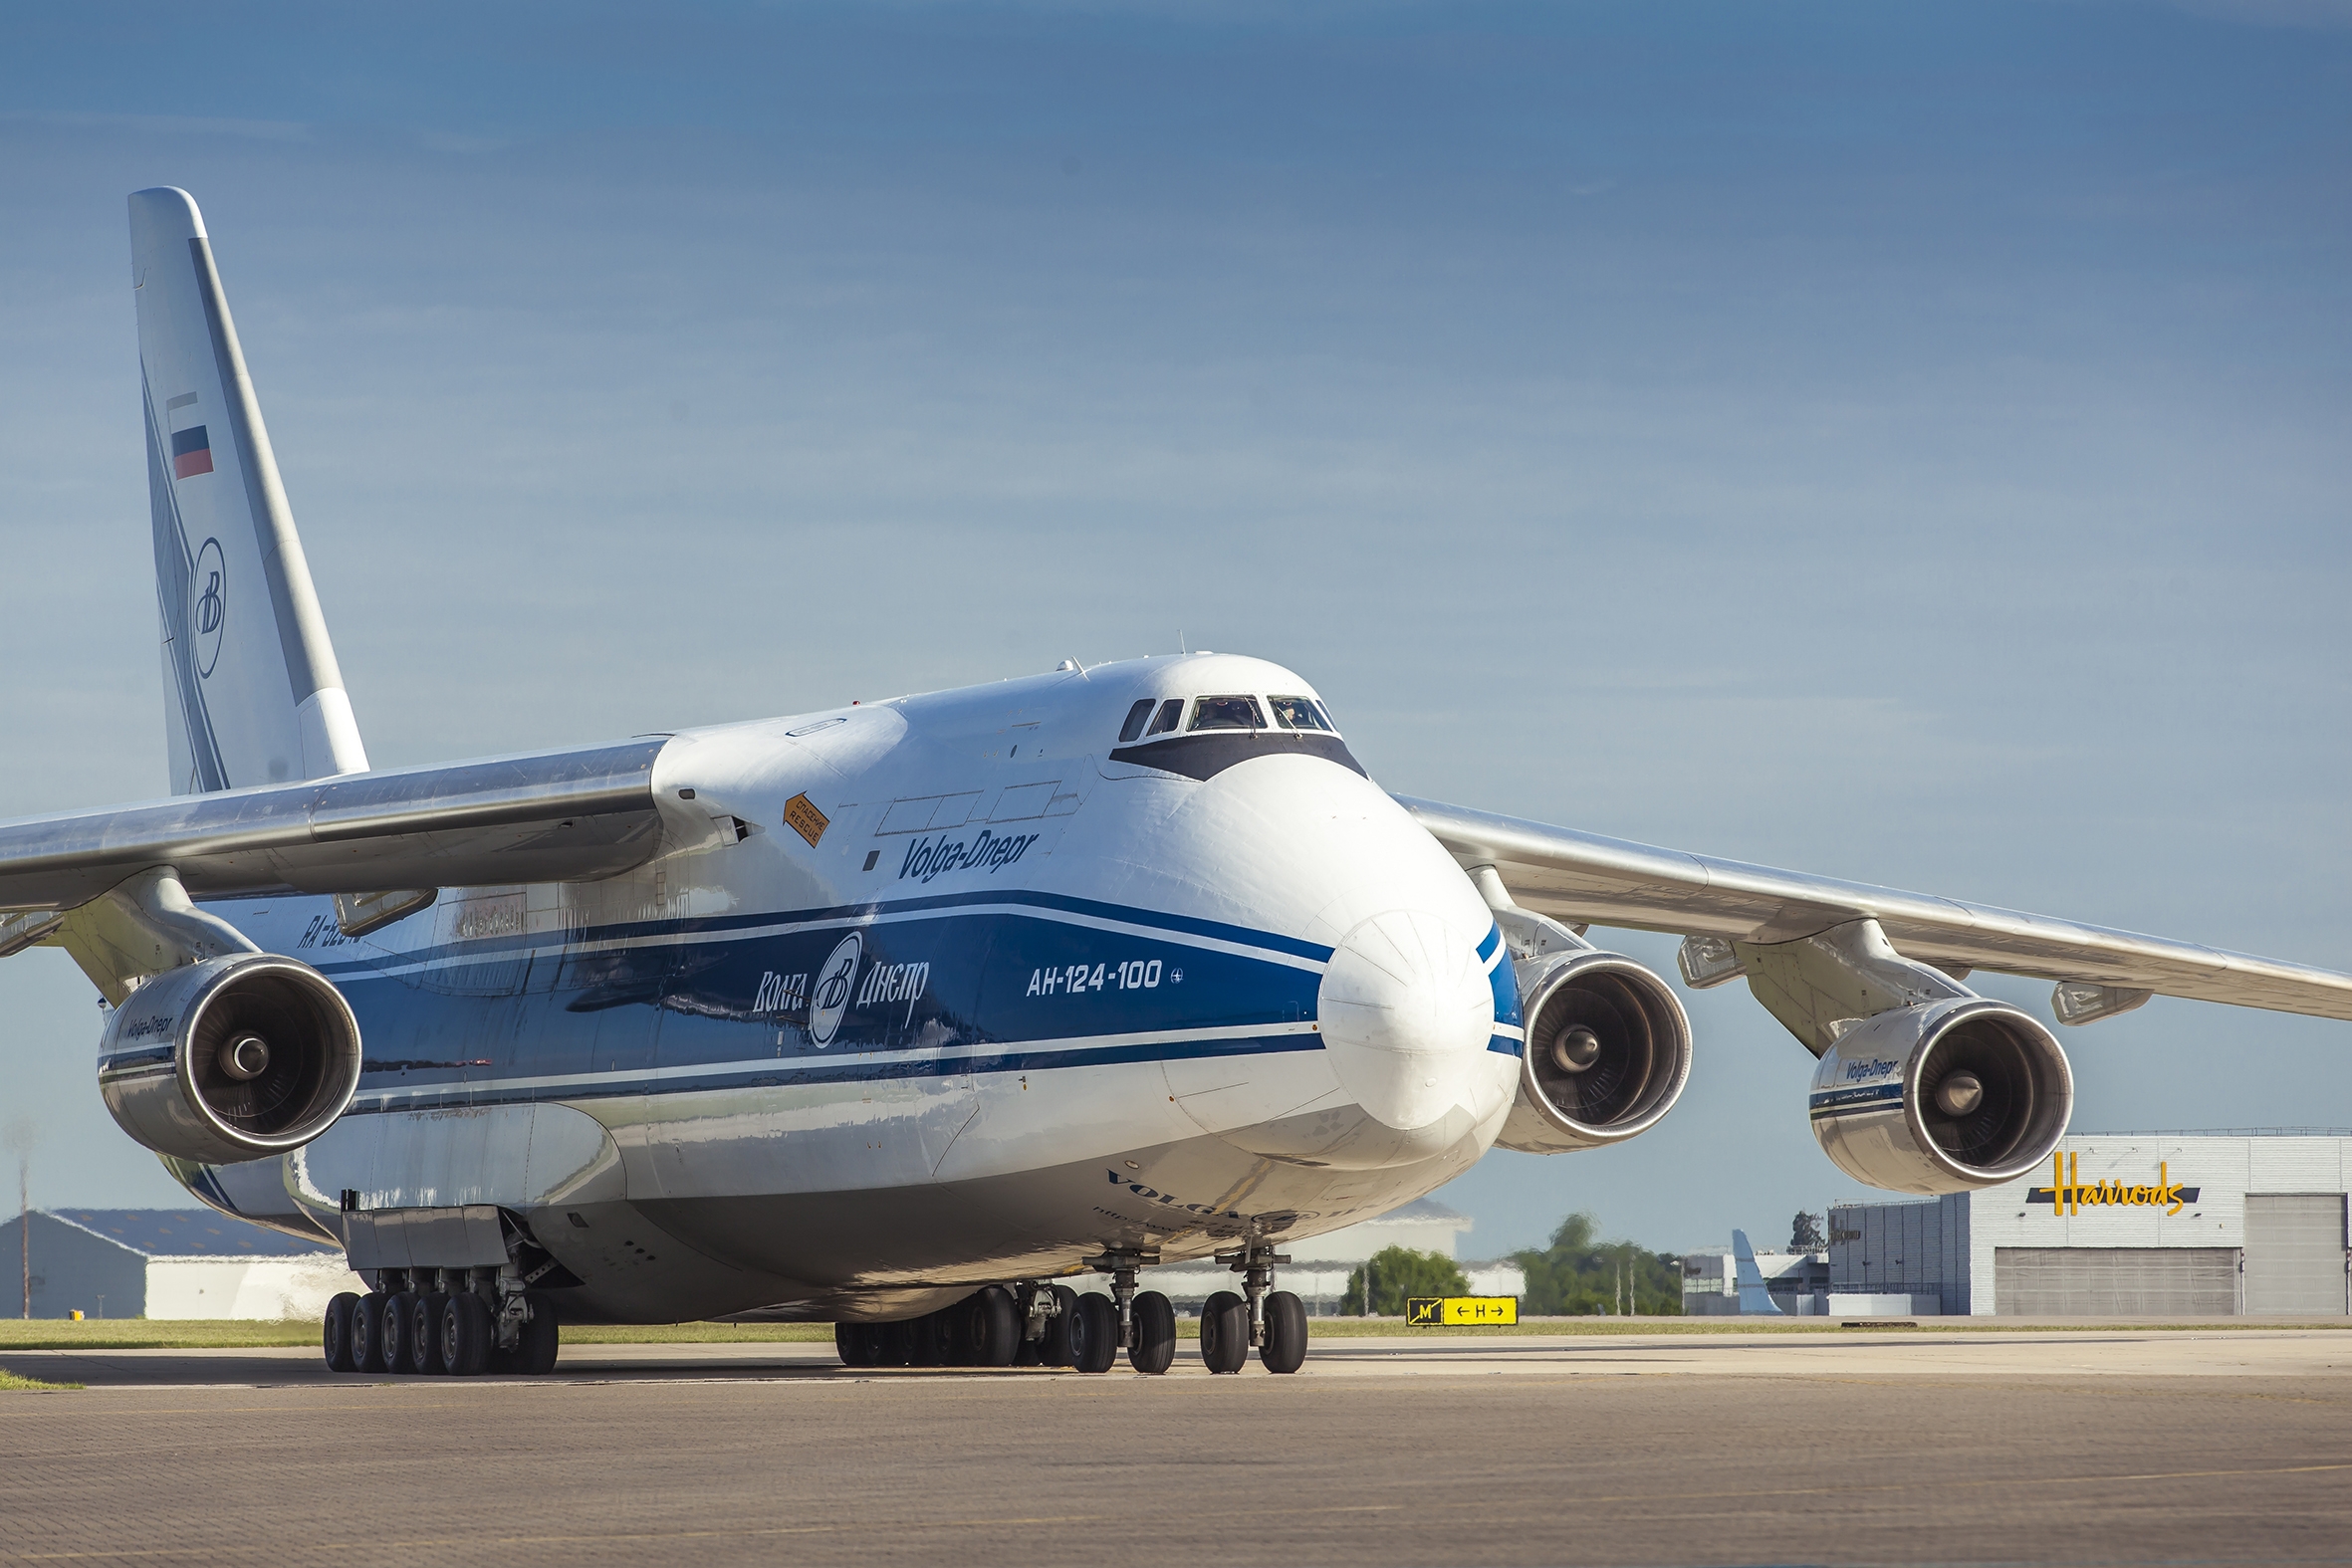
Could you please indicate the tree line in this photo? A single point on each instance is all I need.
(1576, 1275)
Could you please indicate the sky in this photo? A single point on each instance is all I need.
(1911, 444)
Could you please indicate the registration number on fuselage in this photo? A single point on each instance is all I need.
(1070, 980)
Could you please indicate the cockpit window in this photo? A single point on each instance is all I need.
(1170, 712)
(1227, 713)
(1299, 713)
(1135, 717)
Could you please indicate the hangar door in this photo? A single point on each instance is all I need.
(2114, 1281)
(2294, 1254)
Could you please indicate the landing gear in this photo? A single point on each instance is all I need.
(1281, 1346)
(991, 1327)
(399, 1326)
(1151, 1333)
(1272, 1320)
(336, 1333)
(367, 1333)
(1095, 1334)
(1056, 1349)
(467, 1335)
(424, 1338)
(534, 1347)
(1224, 1332)
(982, 1330)
(1121, 1263)
(856, 1344)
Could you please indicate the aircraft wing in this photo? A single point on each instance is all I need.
(1585, 878)
(545, 817)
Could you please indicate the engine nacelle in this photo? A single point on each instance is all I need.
(1943, 1098)
(234, 1058)
(1609, 1052)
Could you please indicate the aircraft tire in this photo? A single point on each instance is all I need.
(962, 1329)
(466, 1335)
(399, 1322)
(424, 1338)
(922, 1341)
(855, 1342)
(367, 1333)
(334, 1336)
(894, 1344)
(1224, 1332)
(996, 1327)
(1285, 1349)
(1096, 1343)
(1055, 1351)
(1151, 1336)
(534, 1351)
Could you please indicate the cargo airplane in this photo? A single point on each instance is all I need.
(902, 1015)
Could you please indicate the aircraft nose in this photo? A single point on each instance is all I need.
(1406, 1011)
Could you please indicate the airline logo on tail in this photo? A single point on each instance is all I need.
(211, 609)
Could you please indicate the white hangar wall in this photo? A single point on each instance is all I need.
(2125, 1225)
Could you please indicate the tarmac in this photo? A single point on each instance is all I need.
(2114, 1445)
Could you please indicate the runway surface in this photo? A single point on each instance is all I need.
(2107, 1447)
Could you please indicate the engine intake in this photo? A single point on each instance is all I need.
(1943, 1098)
(1608, 1054)
(231, 1060)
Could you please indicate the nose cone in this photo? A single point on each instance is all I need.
(1407, 1010)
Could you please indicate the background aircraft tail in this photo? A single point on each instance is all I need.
(252, 692)
(1755, 1296)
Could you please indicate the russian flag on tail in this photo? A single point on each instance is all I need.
(191, 453)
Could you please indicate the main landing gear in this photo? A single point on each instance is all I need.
(440, 1323)
(1022, 1325)
(985, 1329)
(1032, 1325)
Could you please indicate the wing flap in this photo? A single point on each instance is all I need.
(552, 817)
(1584, 877)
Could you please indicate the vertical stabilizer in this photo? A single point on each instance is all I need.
(252, 693)
(1755, 1297)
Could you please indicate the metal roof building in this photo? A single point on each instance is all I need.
(164, 1264)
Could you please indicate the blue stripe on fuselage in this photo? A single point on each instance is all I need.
(949, 985)
(1510, 1038)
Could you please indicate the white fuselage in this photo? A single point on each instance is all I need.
(953, 989)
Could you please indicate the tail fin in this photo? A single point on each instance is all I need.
(1755, 1296)
(252, 693)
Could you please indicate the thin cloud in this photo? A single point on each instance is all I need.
(166, 125)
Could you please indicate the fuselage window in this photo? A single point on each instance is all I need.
(1299, 713)
(1227, 713)
(1170, 711)
(1135, 717)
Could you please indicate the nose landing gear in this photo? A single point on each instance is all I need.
(1275, 1322)
(1145, 1321)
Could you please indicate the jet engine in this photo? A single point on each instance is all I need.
(1941, 1097)
(1608, 1051)
(230, 1059)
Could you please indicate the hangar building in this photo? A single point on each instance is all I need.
(2123, 1224)
(167, 1263)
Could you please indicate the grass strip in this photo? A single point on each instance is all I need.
(10, 1383)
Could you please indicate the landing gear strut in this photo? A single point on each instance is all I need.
(1275, 1322)
(1146, 1321)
